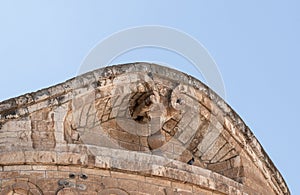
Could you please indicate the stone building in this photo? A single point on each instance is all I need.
(130, 129)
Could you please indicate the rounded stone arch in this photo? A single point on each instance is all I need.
(66, 191)
(22, 188)
(222, 157)
(160, 116)
(212, 160)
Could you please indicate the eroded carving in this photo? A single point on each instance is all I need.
(158, 116)
(22, 187)
(71, 135)
(42, 127)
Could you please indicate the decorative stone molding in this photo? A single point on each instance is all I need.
(136, 119)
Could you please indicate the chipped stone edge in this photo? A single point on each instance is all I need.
(60, 93)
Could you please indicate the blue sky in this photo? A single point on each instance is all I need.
(254, 43)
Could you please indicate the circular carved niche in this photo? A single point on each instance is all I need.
(113, 191)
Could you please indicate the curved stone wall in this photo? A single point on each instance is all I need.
(130, 129)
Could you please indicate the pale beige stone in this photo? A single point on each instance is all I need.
(130, 129)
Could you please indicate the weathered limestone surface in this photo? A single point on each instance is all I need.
(130, 129)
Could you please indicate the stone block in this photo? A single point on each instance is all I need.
(14, 158)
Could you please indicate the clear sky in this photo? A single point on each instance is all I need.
(254, 43)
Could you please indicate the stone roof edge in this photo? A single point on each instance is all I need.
(8, 107)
